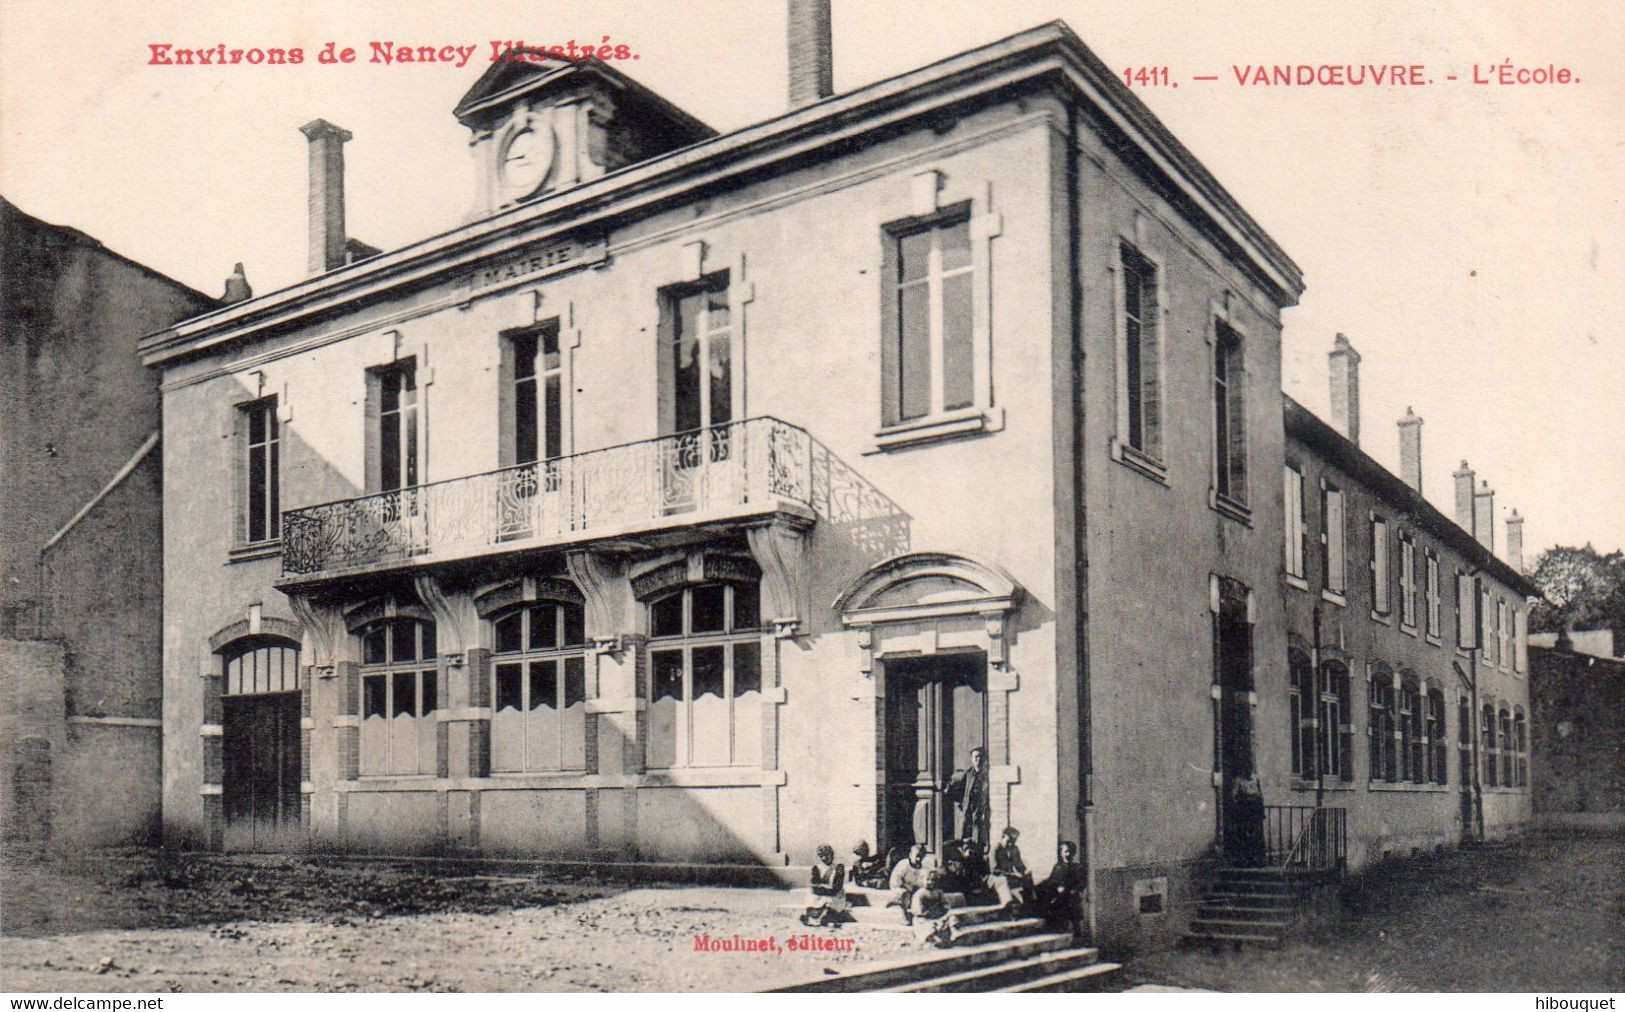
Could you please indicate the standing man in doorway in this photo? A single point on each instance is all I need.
(968, 792)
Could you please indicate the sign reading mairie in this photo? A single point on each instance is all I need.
(536, 262)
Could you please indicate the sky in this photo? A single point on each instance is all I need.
(1467, 238)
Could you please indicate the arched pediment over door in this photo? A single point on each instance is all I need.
(927, 590)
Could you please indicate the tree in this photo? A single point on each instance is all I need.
(1584, 589)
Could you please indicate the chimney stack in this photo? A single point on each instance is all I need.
(1515, 541)
(1410, 450)
(1484, 515)
(1345, 370)
(812, 64)
(1464, 497)
(326, 194)
(237, 287)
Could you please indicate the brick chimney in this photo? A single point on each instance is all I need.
(812, 62)
(1410, 449)
(1464, 497)
(1515, 541)
(1484, 515)
(1345, 370)
(327, 236)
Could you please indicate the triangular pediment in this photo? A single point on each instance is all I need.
(506, 76)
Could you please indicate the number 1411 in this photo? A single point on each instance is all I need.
(1148, 77)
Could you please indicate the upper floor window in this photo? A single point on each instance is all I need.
(1380, 574)
(399, 696)
(1486, 634)
(1433, 617)
(397, 433)
(696, 328)
(1466, 612)
(1296, 526)
(929, 359)
(705, 676)
(1229, 416)
(1520, 640)
(1333, 562)
(537, 395)
(539, 689)
(1503, 633)
(262, 464)
(1142, 377)
(1407, 580)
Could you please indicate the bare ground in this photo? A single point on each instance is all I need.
(1543, 914)
(138, 920)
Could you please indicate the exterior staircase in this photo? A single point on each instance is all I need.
(989, 952)
(1252, 906)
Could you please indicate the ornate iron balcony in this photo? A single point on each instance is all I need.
(735, 470)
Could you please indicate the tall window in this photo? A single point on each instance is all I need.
(1486, 635)
(697, 331)
(1412, 746)
(1143, 379)
(539, 689)
(1503, 633)
(930, 361)
(1333, 563)
(1508, 750)
(538, 427)
(397, 428)
(1300, 702)
(705, 677)
(1520, 747)
(1464, 739)
(1407, 580)
(1438, 747)
(1336, 733)
(1466, 612)
(1381, 727)
(1296, 534)
(1229, 416)
(1486, 744)
(1381, 575)
(262, 471)
(399, 696)
(1434, 624)
(1520, 640)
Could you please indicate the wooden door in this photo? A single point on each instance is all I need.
(260, 747)
(936, 713)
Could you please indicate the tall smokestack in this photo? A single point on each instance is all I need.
(1410, 450)
(1484, 515)
(1515, 541)
(326, 194)
(1464, 497)
(812, 62)
(1345, 371)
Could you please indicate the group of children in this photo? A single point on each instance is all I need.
(926, 887)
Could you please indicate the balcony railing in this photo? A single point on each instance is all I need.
(727, 470)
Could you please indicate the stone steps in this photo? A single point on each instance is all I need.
(942, 963)
(1010, 974)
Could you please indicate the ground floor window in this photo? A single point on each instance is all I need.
(1487, 747)
(1381, 728)
(399, 697)
(705, 677)
(1520, 745)
(1411, 746)
(1438, 746)
(1508, 752)
(539, 689)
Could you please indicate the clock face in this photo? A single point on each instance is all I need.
(526, 157)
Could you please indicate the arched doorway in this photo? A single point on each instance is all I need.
(260, 747)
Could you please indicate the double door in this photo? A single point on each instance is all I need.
(935, 715)
(260, 782)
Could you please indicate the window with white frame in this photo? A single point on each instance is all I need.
(929, 354)
(1300, 705)
(1486, 745)
(1142, 357)
(1508, 753)
(1229, 416)
(1336, 745)
(1381, 576)
(399, 697)
(1503, 633)
(1412, 744)
(705, 676)
(1486, 635)
(1380, 726)
(1520, 645)
(1334, 564)
(1407, 580)
(536, 393)
(1434, 623)
(262, 466)
(1437, 744)
(1520, 748)
(539, 689)
(396, 432)
(696, 325)
(1296, 542)
(1466, 612)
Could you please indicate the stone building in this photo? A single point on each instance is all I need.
(1578, 737)
(80, 531)
(711, 497)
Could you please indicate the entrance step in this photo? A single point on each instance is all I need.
(989, 931)
(1005, 975)
(946, 962)
(1083, 978)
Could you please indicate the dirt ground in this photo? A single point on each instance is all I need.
(1545, 914)
(135, 920)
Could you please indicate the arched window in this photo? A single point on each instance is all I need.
(258, 665)
(705, 676)
(539, 689)
(399, 695)
(1410, 731)
(1438, 748)
(1487, 744)
(1508, 752)
(1520, 745)
(1381, 726)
